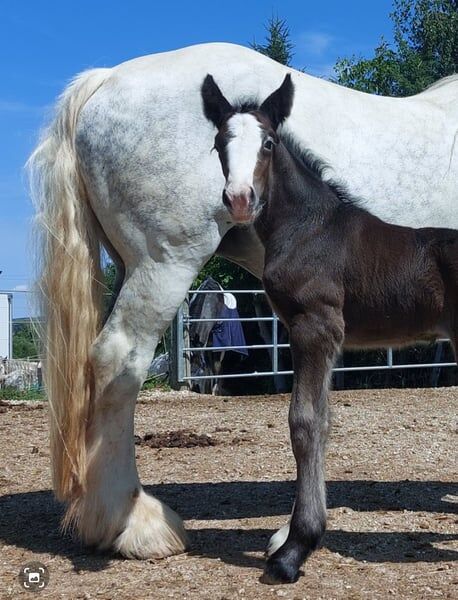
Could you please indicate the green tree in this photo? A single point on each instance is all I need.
(109, 276)
(278, 44)
(25, 340)
(425, 49)
(109, 273)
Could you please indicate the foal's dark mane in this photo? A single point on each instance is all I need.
(316, 167)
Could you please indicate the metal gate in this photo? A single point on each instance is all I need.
(181, 348)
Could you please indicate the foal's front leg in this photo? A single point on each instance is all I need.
(315, 339)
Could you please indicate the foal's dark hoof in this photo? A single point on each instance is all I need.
(279, 570)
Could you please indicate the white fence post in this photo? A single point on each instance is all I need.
(177, 360)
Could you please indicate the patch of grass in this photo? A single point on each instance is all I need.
(11, 393)
(38, 395)
(155, 384)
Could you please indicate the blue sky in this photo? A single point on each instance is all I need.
(43, 44)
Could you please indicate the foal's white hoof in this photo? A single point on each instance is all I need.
(153, 530)
(277, 540)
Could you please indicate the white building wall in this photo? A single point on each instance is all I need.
(6, 342)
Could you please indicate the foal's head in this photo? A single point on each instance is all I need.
(245, 143)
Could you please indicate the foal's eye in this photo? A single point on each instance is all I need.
(268, 145)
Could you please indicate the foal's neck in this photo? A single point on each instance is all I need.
(294, 196)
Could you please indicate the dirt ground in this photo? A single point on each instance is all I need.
(225, 465)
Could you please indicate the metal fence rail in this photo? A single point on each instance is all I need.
(181, 349)
(181, 352)
(20, 374)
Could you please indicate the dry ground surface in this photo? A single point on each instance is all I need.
(225, 465)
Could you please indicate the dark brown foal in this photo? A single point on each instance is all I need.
(332, 271)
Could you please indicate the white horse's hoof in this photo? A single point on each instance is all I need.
(153, 530)
(277, 540)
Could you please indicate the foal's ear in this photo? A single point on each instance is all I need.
(216, 107)
(278, 105)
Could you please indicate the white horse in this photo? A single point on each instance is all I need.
(127, 164)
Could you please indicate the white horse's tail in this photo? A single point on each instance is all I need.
(69, 283)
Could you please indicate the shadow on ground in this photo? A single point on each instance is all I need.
(31, 520)
(244, 499)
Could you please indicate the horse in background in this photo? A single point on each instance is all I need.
(205, 334)
(205, 306)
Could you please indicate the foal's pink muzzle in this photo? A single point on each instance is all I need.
(241, 205)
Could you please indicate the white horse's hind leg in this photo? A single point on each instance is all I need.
(152, 530)
(114, 510)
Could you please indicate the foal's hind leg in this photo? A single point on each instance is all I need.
(454, 340)
(114, 510)
(315, 341)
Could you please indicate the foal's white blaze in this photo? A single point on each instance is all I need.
(245, 139)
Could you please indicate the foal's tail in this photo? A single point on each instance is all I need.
(69, 283)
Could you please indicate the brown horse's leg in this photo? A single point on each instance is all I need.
(217, 366)
(316, 338)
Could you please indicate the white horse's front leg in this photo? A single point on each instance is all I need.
(114, 511)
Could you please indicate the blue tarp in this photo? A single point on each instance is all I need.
(229, 333)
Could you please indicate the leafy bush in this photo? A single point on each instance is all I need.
(10, 393)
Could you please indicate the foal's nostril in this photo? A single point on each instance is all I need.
(252, 196)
